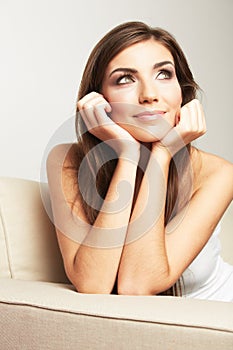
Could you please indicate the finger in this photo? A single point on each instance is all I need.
(202, 118)
(189, 117)
(200, 125)
(89, 100)
(94, 111)
(192, 123)
(184, 118)
(87, 118)
(98, 107)
(101, 110)
(84, 107)
(86, 98)
(194, 116)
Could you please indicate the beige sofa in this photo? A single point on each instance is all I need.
(39, 309)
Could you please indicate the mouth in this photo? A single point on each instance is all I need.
(150, 115)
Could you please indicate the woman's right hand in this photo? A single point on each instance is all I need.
(93, 108)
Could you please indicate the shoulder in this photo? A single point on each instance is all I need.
(62, 154)
(62, 164)
(213, 165)
(212, 169)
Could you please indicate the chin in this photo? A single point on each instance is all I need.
(146, 138)
(147, 134)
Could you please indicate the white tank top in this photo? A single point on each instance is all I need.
(208, 276)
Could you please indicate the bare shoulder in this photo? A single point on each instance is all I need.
(62, 164)
(215, 169)
(63, 189)
(215, 165)
(61, 154)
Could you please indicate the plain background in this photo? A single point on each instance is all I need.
(44, 47)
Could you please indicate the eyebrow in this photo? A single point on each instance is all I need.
(132, 70)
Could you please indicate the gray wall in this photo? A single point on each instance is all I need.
(44, 46)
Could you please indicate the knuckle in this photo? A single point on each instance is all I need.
(94, 94)
(87, 105)
(79, 105)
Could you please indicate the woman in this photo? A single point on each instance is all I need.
(136, 207)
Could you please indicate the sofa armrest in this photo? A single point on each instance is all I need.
(28, 243)
(42, 315)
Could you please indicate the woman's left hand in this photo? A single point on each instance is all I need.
(190, 125)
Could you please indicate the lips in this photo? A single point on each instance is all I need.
(149, 115)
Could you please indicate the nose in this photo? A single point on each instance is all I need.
(148, 93)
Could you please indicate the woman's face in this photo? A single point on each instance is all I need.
(141, 85)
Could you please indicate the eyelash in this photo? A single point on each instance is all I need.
(129, 76)
(167, 72)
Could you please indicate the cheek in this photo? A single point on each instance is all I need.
(124, 95)
(175, 97)
(121, 111)
(122, 102)
(171, 93)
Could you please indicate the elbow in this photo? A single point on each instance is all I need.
(144, 286)
(156, 289)
(86, 283)
(91, 289)
(129, 286)
(89, 286)
(131, 290)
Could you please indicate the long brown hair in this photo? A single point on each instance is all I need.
(101, 162)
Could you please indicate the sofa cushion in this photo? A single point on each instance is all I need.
(28, 243)
(39, 315)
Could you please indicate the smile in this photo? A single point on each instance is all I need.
(149, 116)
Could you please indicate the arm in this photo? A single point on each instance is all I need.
(154, 261)
(144, 262)
(95, 267)
(92, 253)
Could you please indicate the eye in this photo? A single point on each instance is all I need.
(125, 79)
(164, 74)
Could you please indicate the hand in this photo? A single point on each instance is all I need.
(94, 108)
(190, 125)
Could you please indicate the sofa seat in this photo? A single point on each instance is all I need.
(44, 315)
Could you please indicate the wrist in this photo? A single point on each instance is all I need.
(131, 153)
(161, 153)
(173, 142)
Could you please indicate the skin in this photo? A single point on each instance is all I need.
(144, 89)
(154, 261)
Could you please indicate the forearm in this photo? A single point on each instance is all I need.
(97, 259)
(144, 263)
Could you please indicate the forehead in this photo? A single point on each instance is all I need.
(146, 52)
